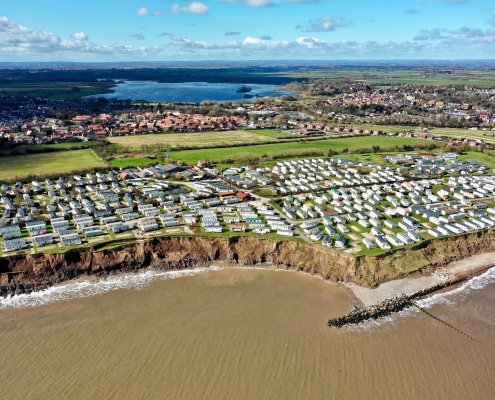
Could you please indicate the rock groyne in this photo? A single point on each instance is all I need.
(389, 306)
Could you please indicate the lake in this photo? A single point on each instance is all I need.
(189, 92)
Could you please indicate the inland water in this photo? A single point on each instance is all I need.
(189, 92)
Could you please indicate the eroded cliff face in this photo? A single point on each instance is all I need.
(29, 272)
(434, 254)
(23, 273)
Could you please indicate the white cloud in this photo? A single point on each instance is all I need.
(143, 11)
(309, 42)
(191, 8)
(268, 3)
(79, 36)
(22, 42)
(146, 12)
(260, 43)
(259, 3)
(309, 47)
(16, 37)
(326, 23)
(189, 44)
(462, 36)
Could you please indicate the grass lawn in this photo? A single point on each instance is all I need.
(48, 163)
(387, 128)
(482, 157)
(392, 76)
(54, 90)
(133, 162)
(204, 139)
(39, 148)
(294, 148)
(273, 133)
(487, 136)
(368, 158)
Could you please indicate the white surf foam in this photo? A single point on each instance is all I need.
(449, 298)
(85, 288)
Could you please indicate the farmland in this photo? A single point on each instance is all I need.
(48, 163)
(42, 148)
(487, 136)
(206, 139)
(290, 149)
(383, 76)
(295, 148)
(53, 90)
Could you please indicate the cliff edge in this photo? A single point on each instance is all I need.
(28, 272)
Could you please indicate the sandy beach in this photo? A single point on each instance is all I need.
(411, 285)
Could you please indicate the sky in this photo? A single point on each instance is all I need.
(178, 30)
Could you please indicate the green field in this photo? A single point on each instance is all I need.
(487, 136)
(54, 90)
(387, 128)
(482, 157)
(388, 76)
(60, 162)
(295, 148)
(41, 148)
(290, 149)
(133, 162)
(378, 158)
(206, 139)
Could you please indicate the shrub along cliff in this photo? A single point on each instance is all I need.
(27, 272)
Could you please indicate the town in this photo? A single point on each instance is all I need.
(326, 106)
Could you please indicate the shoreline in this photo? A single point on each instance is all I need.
(470, 266)
(367, 304)
(34, 272)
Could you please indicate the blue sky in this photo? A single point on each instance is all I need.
(162, 30)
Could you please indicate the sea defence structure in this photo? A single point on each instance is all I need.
(389, 306)
(29, 272)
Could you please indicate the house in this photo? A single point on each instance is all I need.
(404, 237)
(93, 231)
(43, 240)
(341, 242)
(14, 245)
(237, 227)
(70, 239)
(243, 196)
(326, 241)
(36, 227)
(189, 219)
(382, 242)
(169, 220)
(148, 224)
(213, 229)
(11, 232)
(368, 243)
(117, 226)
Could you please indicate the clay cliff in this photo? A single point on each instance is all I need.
(28, 272)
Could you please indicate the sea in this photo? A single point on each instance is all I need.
(189, 92)
(229, 333)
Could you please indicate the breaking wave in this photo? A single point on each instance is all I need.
(452, 296)
(86, 288)
(448, 298)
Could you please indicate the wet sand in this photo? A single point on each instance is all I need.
(412, 285)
